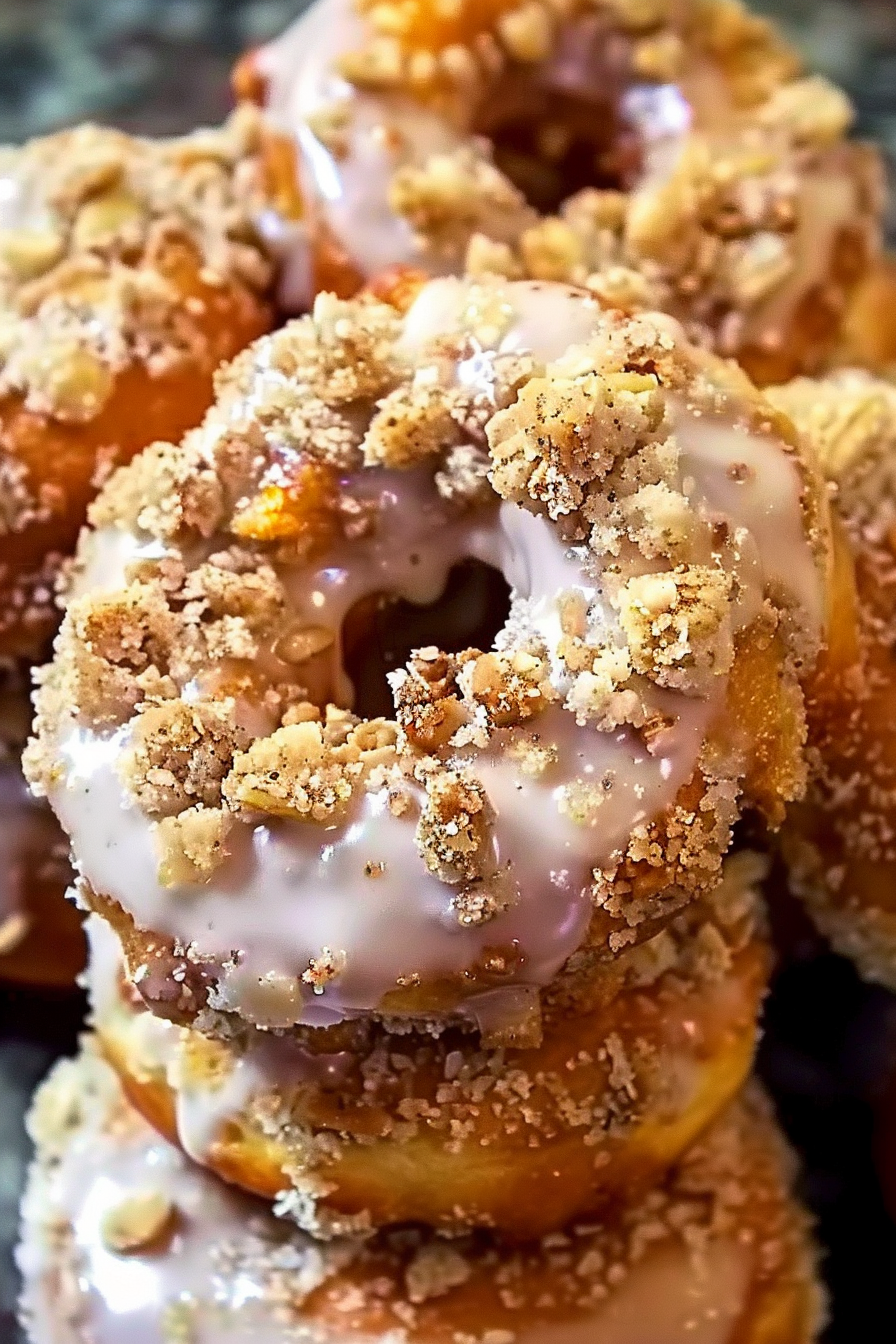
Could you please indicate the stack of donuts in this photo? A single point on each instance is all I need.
(434, 668)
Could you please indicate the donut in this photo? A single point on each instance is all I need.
(123, 1238)
(268, 855)
(129, 269)
(839, 843)
(41, 941)
(355, 1126)
(672, 153)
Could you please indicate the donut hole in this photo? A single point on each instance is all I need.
(381, 633)
(564, 125)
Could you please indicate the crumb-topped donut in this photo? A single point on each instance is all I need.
(129, 269)
(841, 843)
(264, 853)
(41, 940)
(672, 151)
(123, 1238)
(358, 1126)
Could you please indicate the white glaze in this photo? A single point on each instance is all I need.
(288, 890)
(230, 1269)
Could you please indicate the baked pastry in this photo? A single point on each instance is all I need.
(357, 1126)
(869, 331)
(129, 269)
(840, 843)
(41, 940)
(268, 856)
(123, 1237)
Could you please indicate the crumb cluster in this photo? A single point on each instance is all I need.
(841, 844)
(87, 268)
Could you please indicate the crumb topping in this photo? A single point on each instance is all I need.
(840, 844)
(599, 1072)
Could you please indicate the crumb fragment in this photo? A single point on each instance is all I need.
(137, 1222)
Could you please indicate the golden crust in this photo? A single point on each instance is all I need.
(132, 269)
(733, 1188)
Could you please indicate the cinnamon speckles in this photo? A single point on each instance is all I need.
(676, 625)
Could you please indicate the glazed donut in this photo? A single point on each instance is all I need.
(839, 843)
(354, 1126)
(671, 151)
(123, 1238)
(128, 270)
(264, 858)
(869, 332)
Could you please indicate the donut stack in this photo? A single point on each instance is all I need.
(426, 972)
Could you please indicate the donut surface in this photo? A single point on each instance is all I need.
(264, 856)
(673, 152)
(124, 1239)
(841, 842)
(355, 1126)
(128, 270)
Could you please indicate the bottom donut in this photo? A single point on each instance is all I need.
(357, 1126)
(123, 1239)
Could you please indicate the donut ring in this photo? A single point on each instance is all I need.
(362, 451)
(128, 270)
(41, 939)
(839, 843)
(361, 1127)
(673, 151)
(720, 1254)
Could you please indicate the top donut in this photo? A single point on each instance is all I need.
(264, 852)
(669, 152)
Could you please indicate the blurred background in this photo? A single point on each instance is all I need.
(829, 1050)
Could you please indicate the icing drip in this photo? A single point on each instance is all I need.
(303, 83)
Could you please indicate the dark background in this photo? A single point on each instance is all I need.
(830, 1041)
